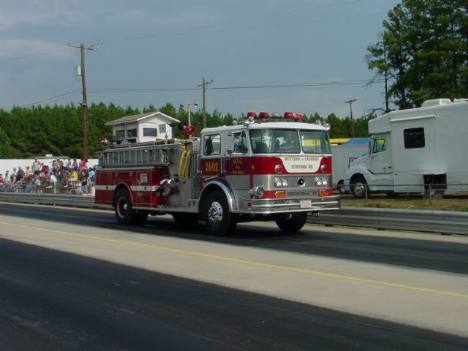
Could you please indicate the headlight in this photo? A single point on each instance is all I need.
(278, 183)
(319, 181)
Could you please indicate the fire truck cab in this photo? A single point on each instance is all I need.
(259, 170)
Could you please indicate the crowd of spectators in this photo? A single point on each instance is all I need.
(60, 176)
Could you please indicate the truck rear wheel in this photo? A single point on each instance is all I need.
(291, 222)
(219, 220)
(123, 207)
(124, 212)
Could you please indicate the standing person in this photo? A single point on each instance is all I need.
(13, 176)
(84, 181)
(19, 174)
(36, 167)
(91, 180)
(2, 181)
(7, 177)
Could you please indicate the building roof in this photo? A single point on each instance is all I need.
(142, 116)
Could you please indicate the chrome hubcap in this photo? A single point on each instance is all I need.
(215, 212)
(122, 207)
(359, 188)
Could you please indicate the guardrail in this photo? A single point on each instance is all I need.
(445, 222)
(50, 199)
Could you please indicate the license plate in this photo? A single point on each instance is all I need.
(305, 203)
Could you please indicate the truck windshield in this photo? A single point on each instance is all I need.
(268, 141)
(315, 142)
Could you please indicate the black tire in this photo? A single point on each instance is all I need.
(359, 188)
(291, 222)
(123, 207)
(185, 220)
(218, 219)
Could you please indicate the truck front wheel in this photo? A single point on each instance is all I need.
(359, 188)
(291, 222)
(219, 220)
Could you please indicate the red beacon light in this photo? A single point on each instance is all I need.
(263, 115)
(251, 117)
(294, 116)
(298, 116)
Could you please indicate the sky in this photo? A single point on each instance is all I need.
(153, 52)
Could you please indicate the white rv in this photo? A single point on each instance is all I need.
(414, 150)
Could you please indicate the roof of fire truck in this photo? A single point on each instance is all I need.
(267, 125)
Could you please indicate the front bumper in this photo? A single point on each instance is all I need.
(290, 204)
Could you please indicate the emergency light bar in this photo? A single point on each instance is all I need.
(251, 116)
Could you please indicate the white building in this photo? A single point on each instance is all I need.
(141, 128)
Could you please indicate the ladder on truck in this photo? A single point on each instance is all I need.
(152, 155)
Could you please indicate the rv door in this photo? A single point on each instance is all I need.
(380, 158)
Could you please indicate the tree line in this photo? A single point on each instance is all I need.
(422, 52)
(57, 130)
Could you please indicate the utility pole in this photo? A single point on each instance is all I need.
(350, 102)
(203, 86)
(84, 103)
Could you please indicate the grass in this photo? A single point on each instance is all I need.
(446, 204)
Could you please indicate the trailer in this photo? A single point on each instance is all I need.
(417, 150)
(267, 168)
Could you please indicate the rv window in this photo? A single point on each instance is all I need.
(414, 138)
(212, 145)
(378, 145)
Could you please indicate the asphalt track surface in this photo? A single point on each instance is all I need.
(60, 289)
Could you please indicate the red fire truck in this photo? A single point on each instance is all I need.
(264, 169)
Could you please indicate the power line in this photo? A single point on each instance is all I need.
(53, 98)
(193, 89)
(237, 87)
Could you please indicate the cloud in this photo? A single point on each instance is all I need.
(18, 48)
(162, 20)
(41, 13)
